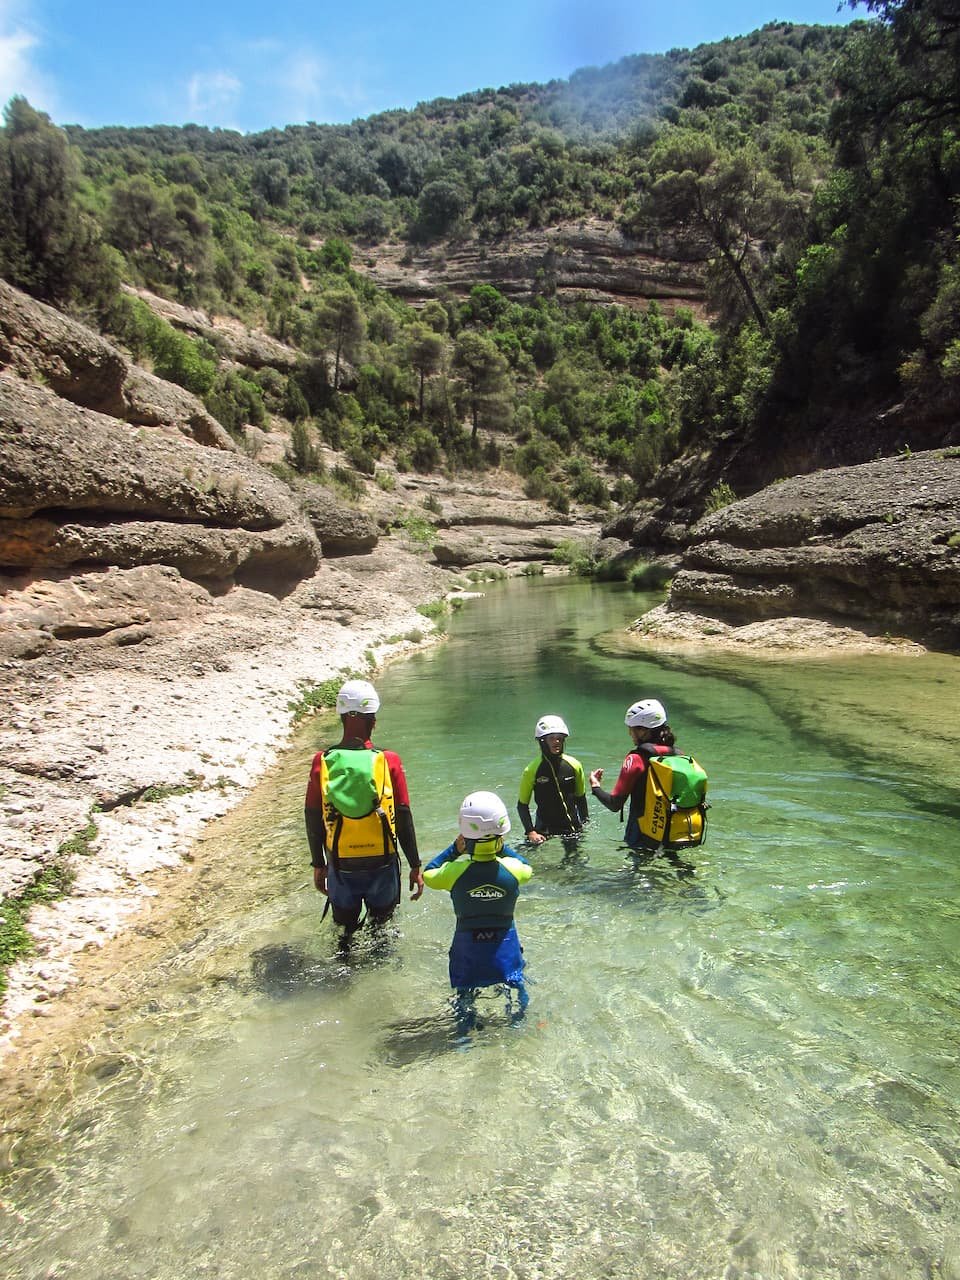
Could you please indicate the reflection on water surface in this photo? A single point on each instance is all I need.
(750, 1071)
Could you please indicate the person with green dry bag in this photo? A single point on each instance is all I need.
(666, 790)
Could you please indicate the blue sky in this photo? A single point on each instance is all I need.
(256, 65)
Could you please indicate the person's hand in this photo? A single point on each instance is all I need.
(595, 777)
(416, 883)
(460, 844)
(534, 837)
(320, 879)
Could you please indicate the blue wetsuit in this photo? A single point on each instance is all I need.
(484, 884)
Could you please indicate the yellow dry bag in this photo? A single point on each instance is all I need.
(359, 816)
(674, 814)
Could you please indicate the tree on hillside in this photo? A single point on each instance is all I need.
(890, 242)
(161, 229)
(48, 245)
(730, 198)
(271, 180)
(339, 327)
(441, 203)
(905, 70)
(484, 381)
(424, 350)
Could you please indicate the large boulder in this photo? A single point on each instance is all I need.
(37, 341)
(876, 545)
(78, 488)
(150, 401)
(342, 529)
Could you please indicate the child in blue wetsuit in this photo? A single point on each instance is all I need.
(483, 877)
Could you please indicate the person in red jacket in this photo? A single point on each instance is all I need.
(646, 722)
(351, 883)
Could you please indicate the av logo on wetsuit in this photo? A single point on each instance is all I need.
(486, 893)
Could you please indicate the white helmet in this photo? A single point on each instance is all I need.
(483, 815)
(551, 724)
(358, 696)
(646, 714)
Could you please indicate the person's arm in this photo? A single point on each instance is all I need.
(407, 839)
(316, 832)
(614, 800)
(406, 832)
(451, 851)
(580, 793)
(518, 868)
(527, 781)
(446, 875)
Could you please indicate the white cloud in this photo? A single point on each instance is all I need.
(18, 72)
(212, 94)
(270, 84)
(307, 86)
(306, 74)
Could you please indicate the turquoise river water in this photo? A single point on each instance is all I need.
(748, 1072)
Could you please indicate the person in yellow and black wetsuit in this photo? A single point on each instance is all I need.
(556, 782)
(483, 877)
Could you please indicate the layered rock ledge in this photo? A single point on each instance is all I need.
(873, 548)
(589, 260)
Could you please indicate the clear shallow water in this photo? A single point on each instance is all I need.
(747, 1072)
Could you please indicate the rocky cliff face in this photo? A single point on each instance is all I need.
(78, 488)
(875, 546)
(123, 504)
(589, 260)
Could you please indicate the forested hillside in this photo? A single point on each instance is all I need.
(813, 172)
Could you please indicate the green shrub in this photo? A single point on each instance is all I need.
(77, 845)
(433, 609)
(576, 557)
(347, 480)
(417, 528)
(424, 450)
(590, 487)
(52, 883)
(295, 407)
(186, 361)
(361, 458)
(648, 577)
(720, 496)
(302, 454)
(235, 400)
(322, 696)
